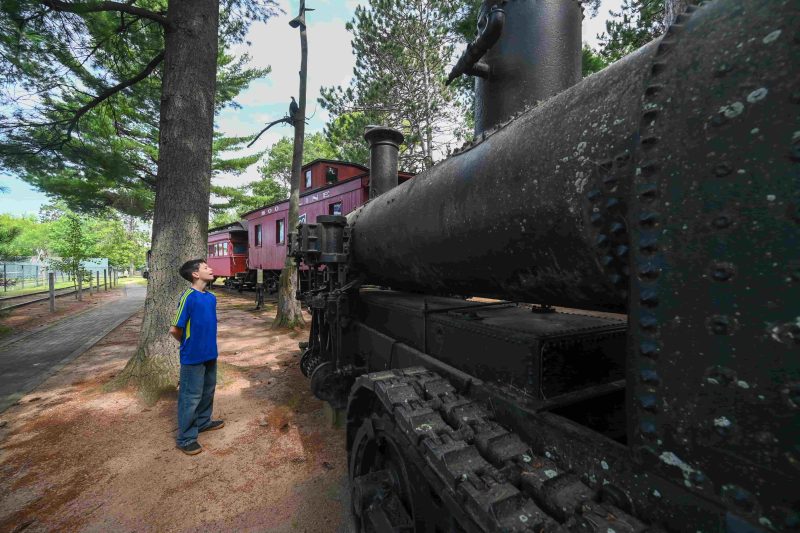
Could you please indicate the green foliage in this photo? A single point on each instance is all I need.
(70, 131)
(279, 157)
(346, 133)
(403, 51)
(634, 25)
(22, 236)
(591, 61)
(72, 243)
(274, 183)
(63, 233)
(120, 245)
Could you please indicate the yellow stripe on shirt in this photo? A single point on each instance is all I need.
(180, 306)
(188, 328)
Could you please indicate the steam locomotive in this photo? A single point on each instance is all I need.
(588, 318)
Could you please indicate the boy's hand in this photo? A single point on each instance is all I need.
(176, 332)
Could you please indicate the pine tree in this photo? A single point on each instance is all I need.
(84, 63)
(636, 23)
(403, 50)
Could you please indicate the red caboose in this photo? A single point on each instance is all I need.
(328, 188)
(227, 250)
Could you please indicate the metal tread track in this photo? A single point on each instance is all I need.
(493, 478)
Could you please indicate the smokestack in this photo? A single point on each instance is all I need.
(384, 145)
(537, 56)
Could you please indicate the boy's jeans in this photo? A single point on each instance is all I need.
(195, 399)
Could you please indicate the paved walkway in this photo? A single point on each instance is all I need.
(29, 360)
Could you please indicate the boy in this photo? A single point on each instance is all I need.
(195, 326)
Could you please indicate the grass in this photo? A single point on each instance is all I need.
(133, 280)
(17, 290)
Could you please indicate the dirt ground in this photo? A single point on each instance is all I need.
(76, 458)
(38, 315)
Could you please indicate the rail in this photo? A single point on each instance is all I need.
(6, 307)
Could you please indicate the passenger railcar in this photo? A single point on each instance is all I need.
(328, 187)
(227, 251)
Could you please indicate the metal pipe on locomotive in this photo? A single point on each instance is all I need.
(664, 187)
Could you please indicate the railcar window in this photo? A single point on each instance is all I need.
(279, 231)
(335, 209)
(331, 174)
(210, 249)
(301, 219)
(224, 248)
(257, 235)
(239, 248)
(308, 179)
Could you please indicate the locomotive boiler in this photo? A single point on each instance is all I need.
(588, 317)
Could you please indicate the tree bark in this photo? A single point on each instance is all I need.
(289, 313)
(673, 8)
(180, 219)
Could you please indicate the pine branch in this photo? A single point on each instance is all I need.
(93, 7)
(111, 91)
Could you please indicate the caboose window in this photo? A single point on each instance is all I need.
(331, 174)
(224, 248)
(308, 179)
(210, 249)
(279, 232)
(301, 219)
(335, 209)
(257, 235)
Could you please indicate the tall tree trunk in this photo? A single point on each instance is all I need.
(180, 220)
(289, 312)
(132, 237)
(673, 8)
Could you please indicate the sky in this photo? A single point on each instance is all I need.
(277, 45)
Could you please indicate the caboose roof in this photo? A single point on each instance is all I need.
(335, 162)
(329, 185)
(309, 192)
(233, 226)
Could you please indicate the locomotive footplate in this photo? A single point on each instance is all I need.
(543, 355)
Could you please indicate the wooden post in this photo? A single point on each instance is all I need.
(105, 280)
(80, 286)
(51, 278)
(97, 280)
(5, 279)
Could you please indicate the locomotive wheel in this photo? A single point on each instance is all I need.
(385, 484)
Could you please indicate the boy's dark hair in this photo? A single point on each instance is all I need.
(190, 266)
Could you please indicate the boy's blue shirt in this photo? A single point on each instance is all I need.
(197, 316)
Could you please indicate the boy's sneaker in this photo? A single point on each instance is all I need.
(193, 448)
(214, 424)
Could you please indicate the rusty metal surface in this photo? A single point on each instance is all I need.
(507, 217)
(714, 350)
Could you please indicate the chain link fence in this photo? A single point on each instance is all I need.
(22, 274)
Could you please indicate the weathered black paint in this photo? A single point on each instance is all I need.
(537, 56)
(667, 185)
(507, 217)
(384, 144)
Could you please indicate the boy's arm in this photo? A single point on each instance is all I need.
(182, 315)
(176, 332)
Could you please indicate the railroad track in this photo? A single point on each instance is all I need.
(13, 302)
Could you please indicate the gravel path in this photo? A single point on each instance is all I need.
(30, 359)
